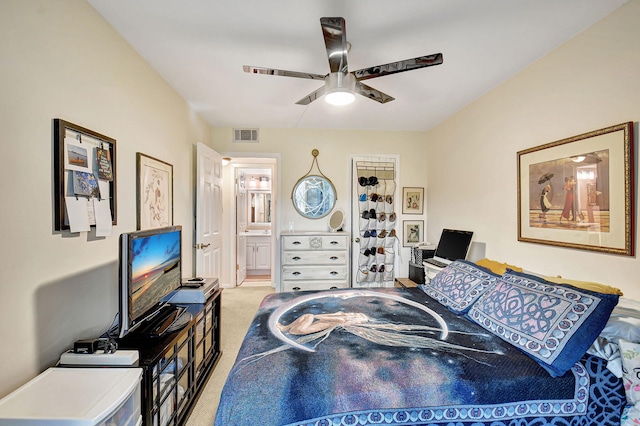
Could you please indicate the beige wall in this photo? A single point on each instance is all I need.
(337, 148)
(62, 60)
(591, 82)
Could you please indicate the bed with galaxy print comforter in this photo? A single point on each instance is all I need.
(392, 356)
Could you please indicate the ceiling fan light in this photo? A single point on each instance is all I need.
(339, 98)
(340, 88)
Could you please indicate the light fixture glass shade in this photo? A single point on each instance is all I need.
(340, 88)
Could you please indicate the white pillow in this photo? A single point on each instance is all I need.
(630, 416)
(630, 354)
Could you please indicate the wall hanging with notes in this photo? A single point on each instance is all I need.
(84, 179)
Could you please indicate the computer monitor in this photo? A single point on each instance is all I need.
(453, 245)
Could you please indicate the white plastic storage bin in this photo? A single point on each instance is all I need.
(76, 396)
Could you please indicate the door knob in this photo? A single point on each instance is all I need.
(357, 240)
(201, 246)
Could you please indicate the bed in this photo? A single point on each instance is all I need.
(442, 354)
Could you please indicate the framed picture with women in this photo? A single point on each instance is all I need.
(579, 192)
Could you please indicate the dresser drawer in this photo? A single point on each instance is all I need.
(310, 272)
(312, 285)
(318, 257)
(315, 242)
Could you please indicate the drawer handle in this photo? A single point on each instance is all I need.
(334, 258)
(296, 273)
(296, 243)
(295, 258)
(333, 273)
(333, 287)
(334, 243)
(295, 288)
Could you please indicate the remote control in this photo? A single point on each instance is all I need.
(192, 285)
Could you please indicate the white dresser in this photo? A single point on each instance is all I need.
(315, 260)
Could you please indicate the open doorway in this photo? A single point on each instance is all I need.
(253, 224)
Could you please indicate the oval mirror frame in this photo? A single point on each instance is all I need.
(313, 196)
(336, 220)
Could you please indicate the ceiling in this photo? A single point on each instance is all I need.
(200, 46)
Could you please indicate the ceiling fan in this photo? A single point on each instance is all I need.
(340, 84)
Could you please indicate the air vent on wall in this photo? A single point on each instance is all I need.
(245, 135)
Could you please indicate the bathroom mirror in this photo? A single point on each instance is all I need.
(313, 196)
(259, 207)
(336, 220)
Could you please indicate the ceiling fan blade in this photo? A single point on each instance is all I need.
(271, 71)
(311, 97)
(373, 94)
(400, 66)
(335, 39)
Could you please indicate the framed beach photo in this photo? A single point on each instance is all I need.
(154, 192)
(579, 192)
(412, 200)
(413, 232)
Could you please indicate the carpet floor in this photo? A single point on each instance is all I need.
(239, 305)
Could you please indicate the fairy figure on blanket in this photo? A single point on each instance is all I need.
(307, 331)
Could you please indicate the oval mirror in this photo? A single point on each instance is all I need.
(335, 220)
(313, 196)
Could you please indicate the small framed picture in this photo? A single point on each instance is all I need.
(412, 200)
(413, 232)
(154, 190)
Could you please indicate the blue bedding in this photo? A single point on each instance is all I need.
(398, 357)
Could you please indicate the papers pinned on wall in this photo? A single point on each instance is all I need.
(77, 213)
(84, 179)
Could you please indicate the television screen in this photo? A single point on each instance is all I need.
(150, 270)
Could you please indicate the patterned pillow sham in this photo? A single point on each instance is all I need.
(552, 323)
(460, 284)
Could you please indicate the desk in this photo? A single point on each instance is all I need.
(430, 271)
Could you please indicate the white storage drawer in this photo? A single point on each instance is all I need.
(76, 396)
(310, 272)
(315, 242)
(315, 260)
(312, 285)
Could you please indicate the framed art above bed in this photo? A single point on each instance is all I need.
(579, 192)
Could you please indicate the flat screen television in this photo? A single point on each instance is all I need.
(150, 270)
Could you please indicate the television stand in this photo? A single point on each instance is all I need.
(177, 365)
(167, 319)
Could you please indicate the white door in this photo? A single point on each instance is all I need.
(251, 256)
(241, 260)
(208, 238)
(263, 256)
(241, 226)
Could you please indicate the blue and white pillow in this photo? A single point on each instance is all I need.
(552, 323)
(460, 284)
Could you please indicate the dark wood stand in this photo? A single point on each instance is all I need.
(177, 365)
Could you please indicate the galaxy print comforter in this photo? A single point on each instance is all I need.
(394, 356)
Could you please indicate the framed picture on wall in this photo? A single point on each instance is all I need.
(413, 232)
(579, 192)
(80, 189)
(154, 192)
(412, 200)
